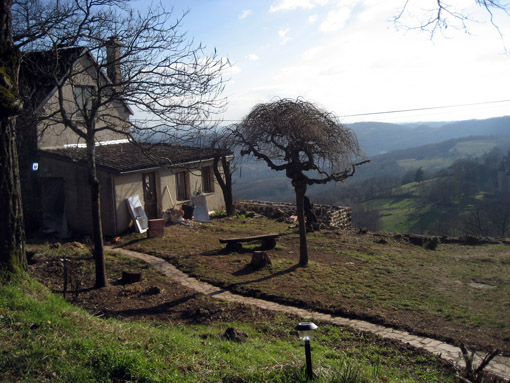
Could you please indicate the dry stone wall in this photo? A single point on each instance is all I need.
(338, 217)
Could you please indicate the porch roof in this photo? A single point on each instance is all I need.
(130, 157)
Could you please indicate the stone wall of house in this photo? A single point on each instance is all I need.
(339, 217)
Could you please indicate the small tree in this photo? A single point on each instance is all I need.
(309, 144)
(223, 143)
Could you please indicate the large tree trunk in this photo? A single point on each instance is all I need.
(300, 206)
(225, 182)
(97, 227)
(12, 241)
(12, 234)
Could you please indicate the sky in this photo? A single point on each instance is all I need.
(349, 57)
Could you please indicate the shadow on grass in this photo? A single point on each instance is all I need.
(223, 250)
(132, 242)
(159, 309)
(248, 269)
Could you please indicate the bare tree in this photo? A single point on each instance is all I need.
(223, 142)
(172, 84)
(12, 235)
(443, 14)
(309, 144)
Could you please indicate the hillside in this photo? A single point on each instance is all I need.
(377, 192)
(250, 181)
(379, 138)
(157, 330)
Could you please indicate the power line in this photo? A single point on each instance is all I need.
(398, 110)
(427, 108)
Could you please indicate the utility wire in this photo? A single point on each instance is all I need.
(427, 108)
(399, 110)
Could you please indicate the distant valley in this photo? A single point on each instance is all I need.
(396, 152)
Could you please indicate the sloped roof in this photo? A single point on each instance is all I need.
(40, 70)
(130, 157)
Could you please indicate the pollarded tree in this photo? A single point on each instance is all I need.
(309, 144)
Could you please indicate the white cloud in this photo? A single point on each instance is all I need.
(232, 70)
(252, 57)
(312, 53)
(245, 13)
(286, 5)
(336, 19)
(284, 39)
(312, 19)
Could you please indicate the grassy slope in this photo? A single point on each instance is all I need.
(407, 212)
(43, 339)
(392, 281)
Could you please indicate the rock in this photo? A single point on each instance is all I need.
(432, 243)
(235, 335)
(153, 290)
(130, 277)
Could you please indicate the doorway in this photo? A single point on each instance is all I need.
(53, 203)
(150, 195)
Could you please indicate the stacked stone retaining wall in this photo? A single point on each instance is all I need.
(339, 217)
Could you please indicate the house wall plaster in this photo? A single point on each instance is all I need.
(52, 133)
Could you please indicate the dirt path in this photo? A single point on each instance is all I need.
(499, 366)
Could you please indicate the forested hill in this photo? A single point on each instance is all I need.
(377, 137)
(404, 150)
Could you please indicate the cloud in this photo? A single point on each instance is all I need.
(312, 19)
(252, 57)
(336, 19)
(283, 36)
(286, 5)
(313, 53)
(245, 13)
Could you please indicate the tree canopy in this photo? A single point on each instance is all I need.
(310, 144)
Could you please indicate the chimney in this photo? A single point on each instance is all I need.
(113, 60)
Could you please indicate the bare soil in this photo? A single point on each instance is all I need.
(154, 298)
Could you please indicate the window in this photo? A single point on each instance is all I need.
(182, 186)
(207, 179)
(83, 96)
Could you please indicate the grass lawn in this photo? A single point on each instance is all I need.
(456, 293)
(43, 338)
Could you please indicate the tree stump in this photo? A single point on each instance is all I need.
(130, 277)
(260, 259)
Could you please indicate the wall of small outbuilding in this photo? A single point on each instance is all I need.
(77, 194)
(130, 184)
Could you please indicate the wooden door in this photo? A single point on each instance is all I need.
(150, 195)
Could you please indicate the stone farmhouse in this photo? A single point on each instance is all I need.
(53, 163)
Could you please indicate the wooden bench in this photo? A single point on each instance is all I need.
(268, 242)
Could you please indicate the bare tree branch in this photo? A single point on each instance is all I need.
(444, 14)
